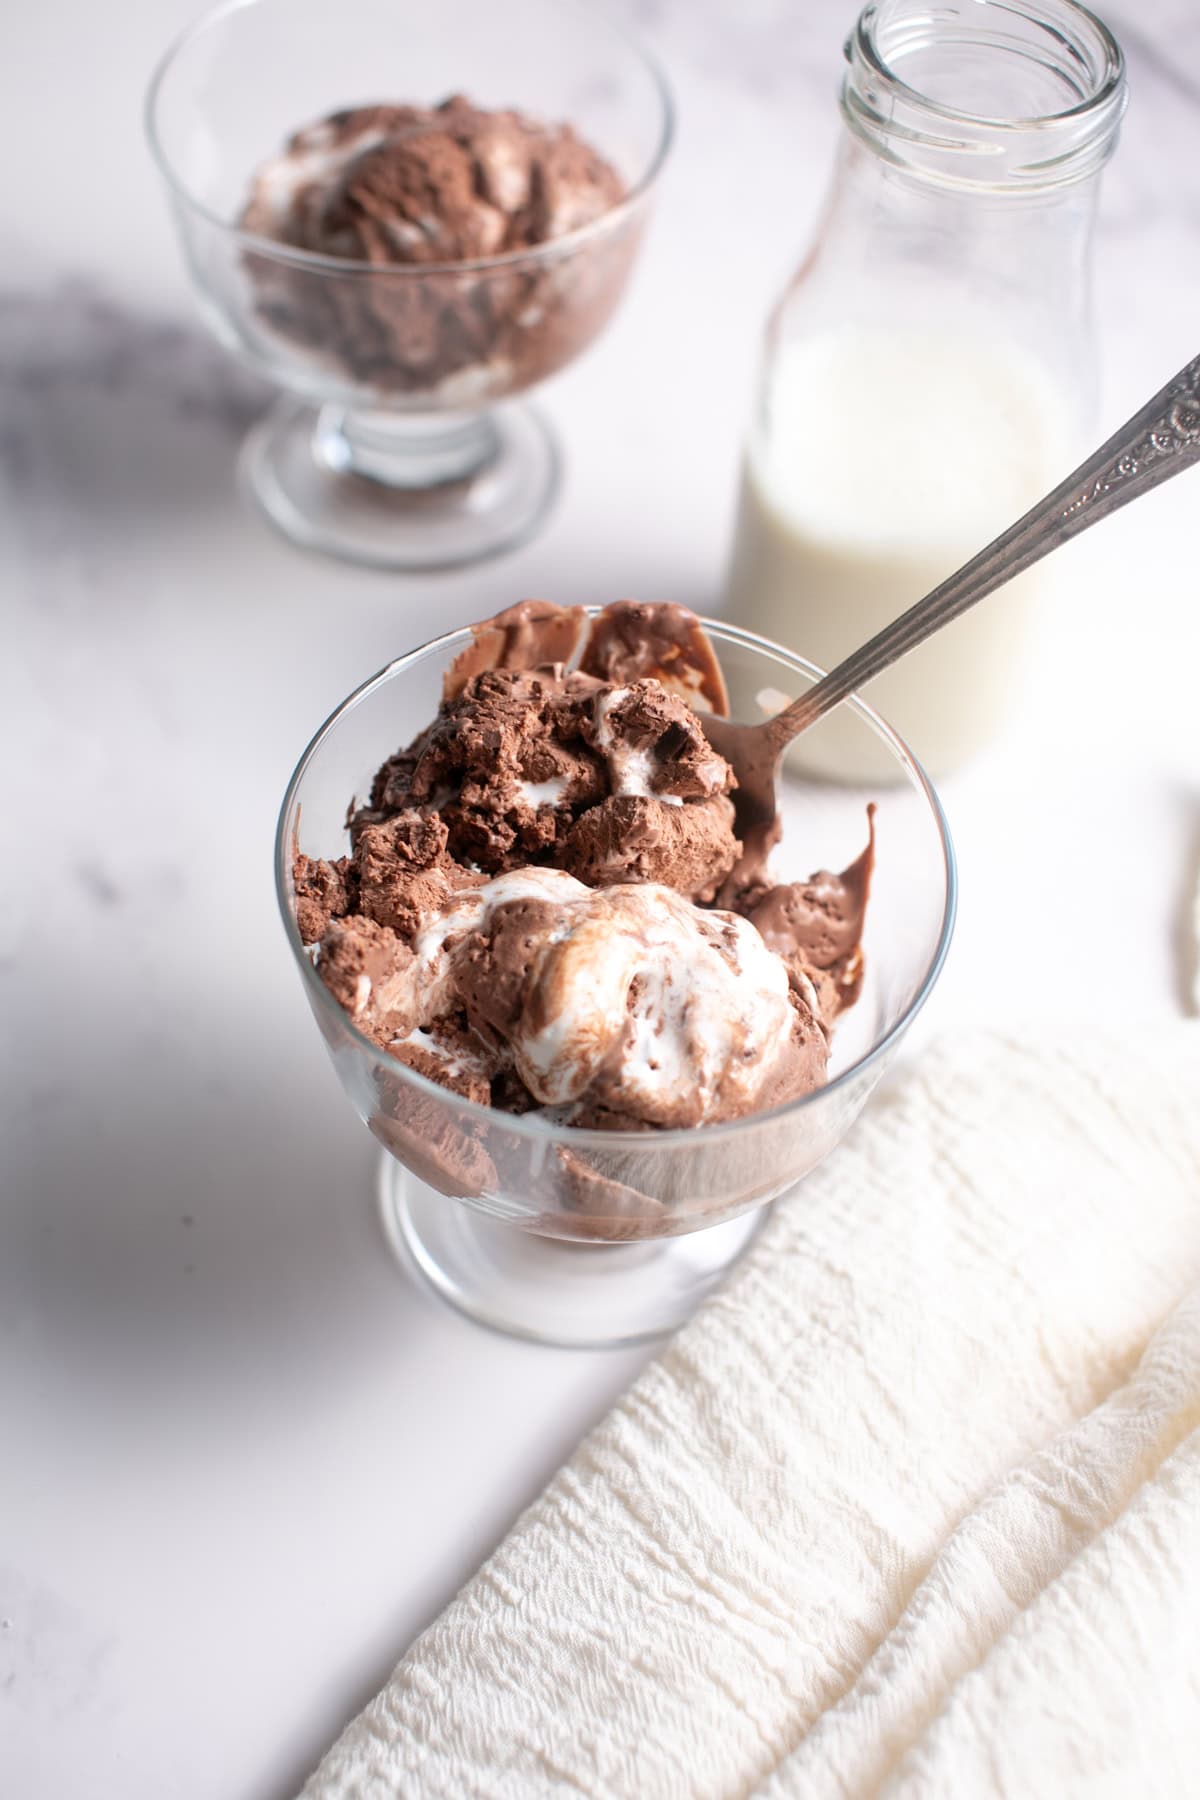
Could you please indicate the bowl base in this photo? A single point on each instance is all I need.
(310, 477)
(552, 1290)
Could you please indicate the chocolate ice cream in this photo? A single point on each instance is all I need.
(557, 766)
(411, 191)
(526, 913)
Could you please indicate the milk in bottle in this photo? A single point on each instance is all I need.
(930, 370)
(891, 458)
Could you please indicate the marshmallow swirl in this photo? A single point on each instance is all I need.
(626, 998)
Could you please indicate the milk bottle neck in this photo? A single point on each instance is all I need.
(1000, 97)
(966, 180)
(925, 249)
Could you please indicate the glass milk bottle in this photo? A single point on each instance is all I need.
(930, 370)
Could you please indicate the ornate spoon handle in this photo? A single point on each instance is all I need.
(1156, 443)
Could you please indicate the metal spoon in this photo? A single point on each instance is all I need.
(1156, 443)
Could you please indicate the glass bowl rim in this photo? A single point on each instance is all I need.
(550, 250)
(532, 1125)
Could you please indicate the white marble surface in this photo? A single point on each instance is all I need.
(242, 1458)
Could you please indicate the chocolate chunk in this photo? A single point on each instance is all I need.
(631, 837)
(322, 892)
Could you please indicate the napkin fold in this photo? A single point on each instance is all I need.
(912, 1507)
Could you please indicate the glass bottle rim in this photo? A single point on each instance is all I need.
(951, 144)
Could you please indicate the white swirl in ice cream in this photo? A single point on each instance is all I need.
(627, 997)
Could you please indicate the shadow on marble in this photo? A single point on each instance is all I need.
(195, 1247)
(107, 412)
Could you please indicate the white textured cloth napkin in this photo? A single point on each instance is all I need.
(911, 1508)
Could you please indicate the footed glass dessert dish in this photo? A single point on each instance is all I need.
(592, 1237)
(404, 217)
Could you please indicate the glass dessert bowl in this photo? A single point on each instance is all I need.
(593, 1237)
(400, 337)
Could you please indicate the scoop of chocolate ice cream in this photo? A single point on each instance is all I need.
(507, 766)
(413, 187)
(526, 917)
(429, 184)
(551, 767)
